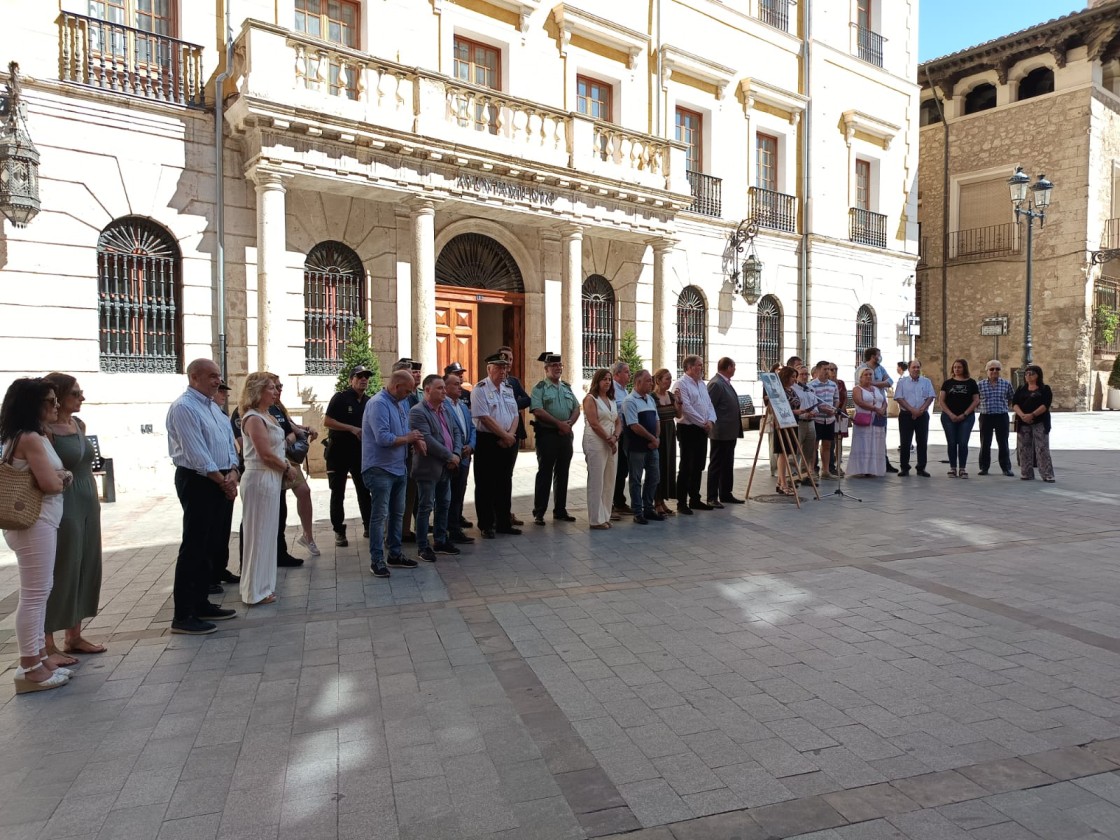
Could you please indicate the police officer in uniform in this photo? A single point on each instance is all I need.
(556, 410)
(523, 400)
(495, 415)
(344, 451)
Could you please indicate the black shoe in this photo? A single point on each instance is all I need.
(365, 533)
(684, 509)
(213, 613)
(623, 509)
(215, 589)
(923, 473)
(460, 537)
(229, 577)
(655, 516)
(446, 548)
(340, 539)
(538, 520)
(701, 506)
(427, 555)
(465, 523)
(1009, 474)
(410, 537)
(715, 503)
(892, 468)
(401, 563)
(563, 516)
(379, 570)
(487, 533)
(904, 472)
(292, 562)
(731, 500)
(641, 520)
(511, 531)
(193, 627)
(982, 472)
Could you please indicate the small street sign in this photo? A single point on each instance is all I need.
(913, 324)
(995, 325)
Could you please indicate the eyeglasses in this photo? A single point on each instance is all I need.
(77, 392)
(996, 369)
(50, 401)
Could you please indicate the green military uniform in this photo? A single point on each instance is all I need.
(554, 450)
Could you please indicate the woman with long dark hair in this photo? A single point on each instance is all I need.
(1031, 404)
(959, 399)
(29, 405)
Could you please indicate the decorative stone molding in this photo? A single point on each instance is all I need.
(673, 59)
(523, 9)
(854, 121)
(572, 21)
(756, 90)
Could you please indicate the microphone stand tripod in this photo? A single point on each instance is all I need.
(839, 491)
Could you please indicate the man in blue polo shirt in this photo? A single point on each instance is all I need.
(643, 439)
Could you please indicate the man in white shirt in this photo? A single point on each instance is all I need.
(914, 395)
(699, 415)
(828, 403)
(495, 414)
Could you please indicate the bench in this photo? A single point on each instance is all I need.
(747, 416)
(103, 469)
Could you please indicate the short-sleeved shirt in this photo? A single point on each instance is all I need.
(640, 411)
(959, 394)
(914, 392)
(994, 398)
(558, 400)
(828, 394)
(806, 398)
(346, 407)
(496, 402)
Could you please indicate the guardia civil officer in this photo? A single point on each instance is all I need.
(556, 410)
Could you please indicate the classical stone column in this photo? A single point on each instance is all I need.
(571, 302)
(272, 294)
(422, 215)
(663, 307)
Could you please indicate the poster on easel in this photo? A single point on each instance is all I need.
(779, 402)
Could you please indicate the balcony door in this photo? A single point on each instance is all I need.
(337, 22)
(766, 162)
(480, 65)
(131, 42)
(690, 131)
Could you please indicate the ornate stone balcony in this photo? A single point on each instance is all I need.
(334, 85)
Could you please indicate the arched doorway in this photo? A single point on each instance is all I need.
(480, 303)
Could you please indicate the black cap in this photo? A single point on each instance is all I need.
(416, 366)
(360, 370)
(454, 367)
(403, 363)
(224, 386)
(497, 359)
(550, 358)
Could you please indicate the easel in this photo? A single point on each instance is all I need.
(787, 440)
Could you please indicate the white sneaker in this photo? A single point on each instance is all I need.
(309, 545)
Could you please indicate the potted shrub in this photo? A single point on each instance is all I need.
(1114, 386)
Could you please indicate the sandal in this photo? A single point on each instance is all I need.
(962, 474)
(83, 645)
(268, 599)
(25, 686)
(952, 473)
(60, 659)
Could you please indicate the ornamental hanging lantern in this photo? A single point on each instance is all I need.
(747, 278)
(19, 159)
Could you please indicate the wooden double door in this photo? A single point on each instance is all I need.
(472, 323)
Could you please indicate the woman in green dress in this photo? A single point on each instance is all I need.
(77, 567)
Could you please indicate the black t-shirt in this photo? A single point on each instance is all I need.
(1029, 402)
(346, 407)
(959, 394)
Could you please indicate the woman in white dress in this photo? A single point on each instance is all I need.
(868, 454)
(266, 468)
(601, 430)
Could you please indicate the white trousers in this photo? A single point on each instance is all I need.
(601, 465)
(35, 550)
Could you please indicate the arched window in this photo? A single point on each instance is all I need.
(476, 261)
(333, 300)
(1037, 82)
(929, 113)
(692, 317)
(769, 333)
(139, 298)
(865, 332)
(980, 98)
(598, 324)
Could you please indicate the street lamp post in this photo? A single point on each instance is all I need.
(1035, 208)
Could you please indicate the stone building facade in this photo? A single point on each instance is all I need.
(459, 174)
(1046, 99)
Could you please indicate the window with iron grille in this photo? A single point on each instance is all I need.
(139, 297)
(598, 324)
(769, 333)
(334, 298)
(692, 317)
(865, 332)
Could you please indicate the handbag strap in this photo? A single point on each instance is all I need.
(11, 452)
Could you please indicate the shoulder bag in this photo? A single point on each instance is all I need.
(863, 418)
(21, 500)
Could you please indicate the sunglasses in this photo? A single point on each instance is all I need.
(996, 369)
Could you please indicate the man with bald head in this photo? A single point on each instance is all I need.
(200, 442)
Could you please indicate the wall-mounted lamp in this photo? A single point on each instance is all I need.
(19, 159)
(747, 278)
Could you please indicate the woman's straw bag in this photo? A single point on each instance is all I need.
(21, 501)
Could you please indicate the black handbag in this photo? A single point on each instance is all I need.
(297, 450)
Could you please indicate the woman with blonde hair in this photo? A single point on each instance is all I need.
(266, 468)
(868, 455)
(601, 431)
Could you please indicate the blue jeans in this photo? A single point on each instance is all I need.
(647, 460)
(956, 438)
(429, 494)
(386, 503)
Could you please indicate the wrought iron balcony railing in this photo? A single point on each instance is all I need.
(117, 58)
(990, 241)
(867, 228)
(707, 194)
(869, 46)
(774, 13)
(773, 210)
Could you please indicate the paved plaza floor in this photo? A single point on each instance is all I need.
(939, 660)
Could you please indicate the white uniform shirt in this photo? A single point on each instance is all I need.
(496, 402)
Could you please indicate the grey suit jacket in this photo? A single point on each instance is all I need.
(431, 467)
(728, 426)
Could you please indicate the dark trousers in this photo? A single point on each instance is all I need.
(999, 424)
(493, 482)
(909, 429)
(554, 457)
(219, 562)
(721, 469)
(336, 479)
(204, 510)
(622, 478)
(956, 439)
(691, 450)
(458, 496)
(410, 500)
